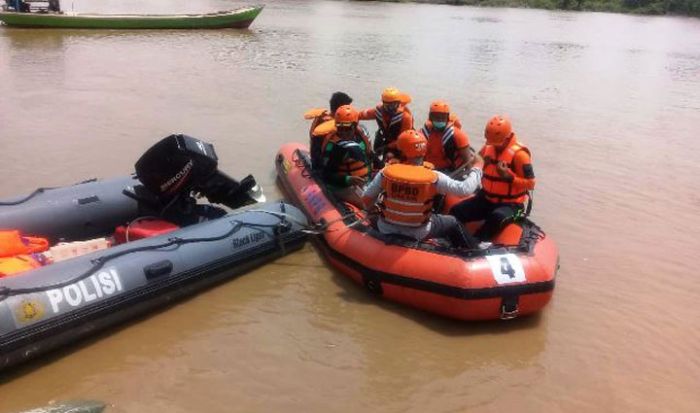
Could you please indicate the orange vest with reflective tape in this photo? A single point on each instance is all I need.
(391, 124)
(408, 194)
(353, 167)
(498, 189)
(442, 149)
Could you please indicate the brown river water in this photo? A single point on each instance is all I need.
(609, 105)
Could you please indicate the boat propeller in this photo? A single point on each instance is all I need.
(256, 193)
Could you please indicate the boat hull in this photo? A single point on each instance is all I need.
(63, 302)
(239, 19)
(461, 285)
(88, 209)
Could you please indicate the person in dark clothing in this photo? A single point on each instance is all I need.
(323, 117)
(393, 117)
(346, 157)
(18, 6)
(55, 6)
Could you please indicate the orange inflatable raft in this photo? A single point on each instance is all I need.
(514, 277)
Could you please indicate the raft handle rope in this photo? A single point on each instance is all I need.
(41, 191)
(26, 198)
(317, 228)
(302, 164)
(524, 214)
(139, 219)
(98, 263)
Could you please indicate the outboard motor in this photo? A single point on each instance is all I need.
(180, 165)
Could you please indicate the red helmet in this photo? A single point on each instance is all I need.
(439, 106)
(498, 130)
(346, 114)
(412, 144)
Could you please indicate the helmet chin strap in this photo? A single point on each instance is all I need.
(505, 143)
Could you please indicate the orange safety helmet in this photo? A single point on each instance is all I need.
(497, 130)
(439, 106)
(412, 144)
(391, 94)
(346, 114)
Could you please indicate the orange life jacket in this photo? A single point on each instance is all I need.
(352, 167)
(12, 243)
(443, 154)
(325, 116)
(408, 194)
(390, 123)
(321, 127)
(17, 264)
(498, 189)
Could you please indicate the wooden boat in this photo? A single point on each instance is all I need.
(239, 19)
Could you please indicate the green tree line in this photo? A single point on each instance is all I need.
(683, 7)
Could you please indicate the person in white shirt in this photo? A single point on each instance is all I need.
(409, 188)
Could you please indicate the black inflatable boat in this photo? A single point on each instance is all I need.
(58, 303)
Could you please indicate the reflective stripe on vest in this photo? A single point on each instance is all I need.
(408, 194)
(425, 131)
(359, 133)
(353, 167)
(449, 146)
(496, 188)
(393, 128)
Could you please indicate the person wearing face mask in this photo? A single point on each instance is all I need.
(393, 117)
(507, 178)
(347, 157)
(448, 145)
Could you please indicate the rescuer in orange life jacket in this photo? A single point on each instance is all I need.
(409, 188)
(393, 117)
(319, 116)
(448, 145)
(507, 177)
(346, 156)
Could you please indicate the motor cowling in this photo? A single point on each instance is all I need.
(182, 165)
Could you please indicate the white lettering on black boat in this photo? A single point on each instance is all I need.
(180, 176)
(96, 286)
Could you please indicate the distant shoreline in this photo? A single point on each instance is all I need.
(646, 7)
